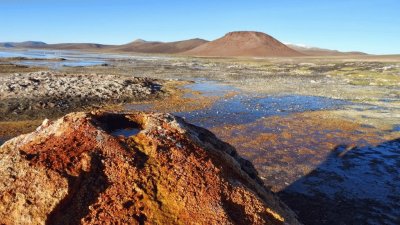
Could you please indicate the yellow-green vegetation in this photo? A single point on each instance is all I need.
(381, 75)
(354, 73)
(14, 128)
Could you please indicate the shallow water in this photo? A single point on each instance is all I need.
(242, 109)
(72, 58)
(39, 54)
(209, 88)
(359, 185)
(58, 64)
(126, 132)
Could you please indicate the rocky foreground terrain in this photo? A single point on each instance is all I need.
(40, 94)
(98, 167)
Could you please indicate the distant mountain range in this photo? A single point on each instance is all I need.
(314, 51)
(239, 43)
(142, 46)
(25, 44)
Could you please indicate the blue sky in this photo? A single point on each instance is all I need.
(372, 26)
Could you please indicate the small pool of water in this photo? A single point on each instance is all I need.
(209, 88)
(126, 132)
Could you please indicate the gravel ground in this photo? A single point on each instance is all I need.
(33, 94)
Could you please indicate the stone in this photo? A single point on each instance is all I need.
(79, 91)
(157, 170)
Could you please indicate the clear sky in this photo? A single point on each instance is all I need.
(371, 26)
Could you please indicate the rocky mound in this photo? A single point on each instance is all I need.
(142, 46)
(59, 93)
(91, 168)
(244, 43)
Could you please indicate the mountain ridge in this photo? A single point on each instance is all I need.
(316, 51)
(232, 44)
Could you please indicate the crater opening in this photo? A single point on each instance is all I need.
(127, 132)
(118, 125)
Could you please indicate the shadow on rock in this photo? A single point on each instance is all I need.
(83, 191)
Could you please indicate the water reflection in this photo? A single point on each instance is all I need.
(50, 58)
(242, 109)
(125, 132)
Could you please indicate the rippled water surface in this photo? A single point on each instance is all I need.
(242, 109)
(70, 57)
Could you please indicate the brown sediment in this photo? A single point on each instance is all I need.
(75, 171)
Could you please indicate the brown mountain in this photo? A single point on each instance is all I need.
(142, 46)
(239, 43)
(313, 51)
(139, 168)
(244, 43)
(138, 46)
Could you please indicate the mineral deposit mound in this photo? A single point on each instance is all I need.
(109, 168)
